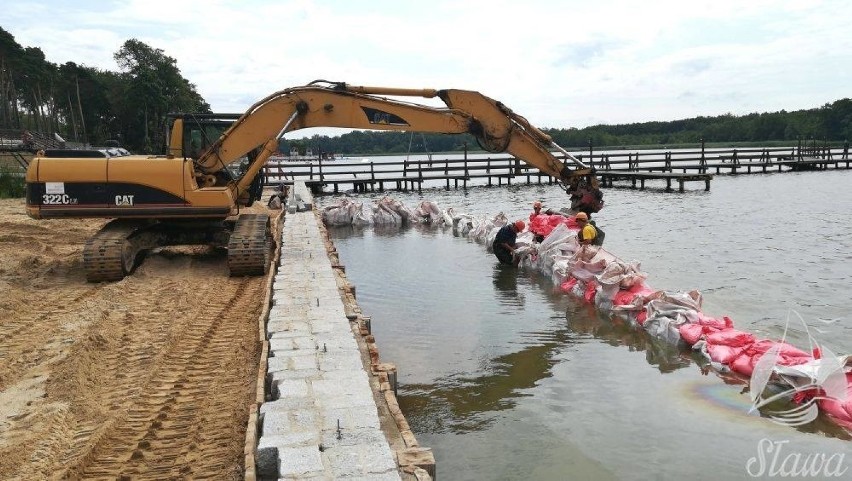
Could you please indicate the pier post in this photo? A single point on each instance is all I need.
(466, 173)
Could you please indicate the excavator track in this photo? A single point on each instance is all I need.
(250, 246)
(109, 255)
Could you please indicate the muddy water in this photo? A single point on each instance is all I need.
(507, 378)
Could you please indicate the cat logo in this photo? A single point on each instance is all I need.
(124, 200)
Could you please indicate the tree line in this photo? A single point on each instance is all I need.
(90, 106)
(831, 123)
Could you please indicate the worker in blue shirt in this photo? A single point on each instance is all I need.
(504, 242)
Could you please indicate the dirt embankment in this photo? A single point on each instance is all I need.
(146, 378)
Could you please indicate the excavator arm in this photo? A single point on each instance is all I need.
(326, 104)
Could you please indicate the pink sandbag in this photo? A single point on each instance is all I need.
(625, 297)
(731, 337)
(840, 411)
(568, 285)
(718, 324)
(789, 355)
(591, 290)
(722, 353)
(543, 224)
(705, 326)
(691, 333)
(642, 317)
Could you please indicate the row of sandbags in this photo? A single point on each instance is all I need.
(814, 381)
(388, 212)
(385, 211)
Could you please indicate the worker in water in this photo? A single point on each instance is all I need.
(589, 233)
(536, 210)
(504, 242)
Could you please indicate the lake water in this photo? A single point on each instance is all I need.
(505, 377)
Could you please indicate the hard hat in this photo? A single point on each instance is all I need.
(581, 216)
(537, 204)
(519, 225)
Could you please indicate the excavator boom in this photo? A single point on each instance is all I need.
(323, 104)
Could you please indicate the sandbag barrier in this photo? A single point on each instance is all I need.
(813, 383)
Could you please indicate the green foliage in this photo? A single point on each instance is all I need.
(87, 105)
(11, 184)
(150, 87)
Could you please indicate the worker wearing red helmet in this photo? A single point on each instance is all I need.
(504, 242)
(536, 210)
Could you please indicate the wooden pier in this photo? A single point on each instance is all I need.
(607, 177)
(637, 167)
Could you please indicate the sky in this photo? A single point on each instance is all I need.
(560, 64)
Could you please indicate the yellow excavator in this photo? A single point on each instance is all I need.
(193, 194)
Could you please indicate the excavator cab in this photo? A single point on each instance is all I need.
(190, 134)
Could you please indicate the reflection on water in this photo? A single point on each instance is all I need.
(501, 374)
(584, 318)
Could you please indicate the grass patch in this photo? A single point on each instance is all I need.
(11, 184)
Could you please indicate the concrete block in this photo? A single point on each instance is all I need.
(289, 375)
(327, 388)
(297, 388)
(289, 404)
(274, 422)
(353, 437)
(340, 361)
(343, 400)
(378, 458)
(351, 418)
(335, 341)
(304, 420)
(299, 461)
(295, 326)
(355, 374)
(266, 459)
(296, 439)
(292, 343)
(391, 476)
(351, 461)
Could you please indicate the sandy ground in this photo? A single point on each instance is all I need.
(147, 378)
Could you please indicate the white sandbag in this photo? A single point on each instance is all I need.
(617, 275)
(447, 216)
(428, 212)
(463, 225)
(668, 311)
(340, 213)
(385, 215)
(391, 205)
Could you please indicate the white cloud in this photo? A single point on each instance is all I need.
(559, 63)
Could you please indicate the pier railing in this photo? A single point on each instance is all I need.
(485, 169)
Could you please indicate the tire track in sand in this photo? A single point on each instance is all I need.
(178, 419)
